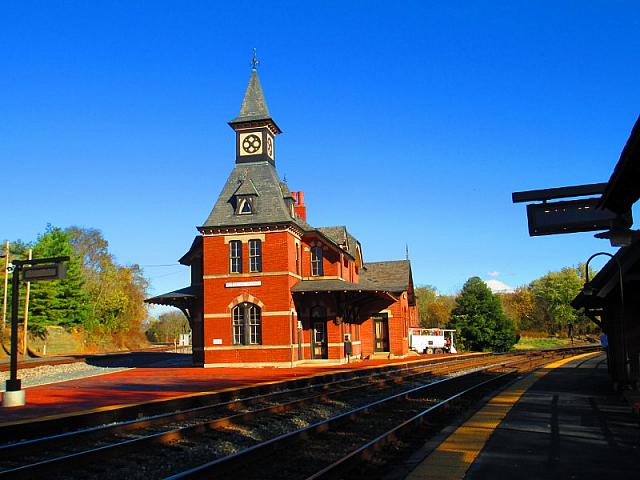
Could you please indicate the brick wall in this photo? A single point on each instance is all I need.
(270, 289)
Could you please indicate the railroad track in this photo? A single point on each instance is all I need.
(208, 441)
(50, 426)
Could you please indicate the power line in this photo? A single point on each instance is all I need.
(167, 274)
(161, 265)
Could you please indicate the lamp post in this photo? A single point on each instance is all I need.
(589, 290)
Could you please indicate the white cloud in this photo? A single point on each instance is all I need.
(493, 274)
(497, 286)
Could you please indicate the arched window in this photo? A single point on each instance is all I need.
(247, 324)
(316, 261)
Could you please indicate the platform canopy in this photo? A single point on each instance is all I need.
(351, 298)
(183, 299)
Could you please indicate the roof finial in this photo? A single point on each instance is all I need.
(254, 61)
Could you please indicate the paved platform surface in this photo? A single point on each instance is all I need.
(163, 380)
(562, 422)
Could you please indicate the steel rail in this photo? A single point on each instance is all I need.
(9, 452)
(186, 432)
(406, 428)
(25, 430)
(219, 467)
(366, 451)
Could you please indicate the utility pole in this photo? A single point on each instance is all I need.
(26, 309)
(6, 279)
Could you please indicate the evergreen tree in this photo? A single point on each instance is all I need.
(479, 319)
(59, 302)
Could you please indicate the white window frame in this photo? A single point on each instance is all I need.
(235, 256)
(255, 255)
(246, 324)
(317, 269)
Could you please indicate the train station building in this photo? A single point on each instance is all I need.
(267, 288)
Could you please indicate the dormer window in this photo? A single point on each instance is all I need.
(245, 197)
(244, 205)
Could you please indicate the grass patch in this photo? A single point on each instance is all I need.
(537, 343)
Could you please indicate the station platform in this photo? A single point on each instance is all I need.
(163, 381)
(560, 422)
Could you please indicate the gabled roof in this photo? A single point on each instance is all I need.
(270, 206)
(341, 237)
(246, 187)
(394, 275)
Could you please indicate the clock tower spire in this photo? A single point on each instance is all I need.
(254, 127)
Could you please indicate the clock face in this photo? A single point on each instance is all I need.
(269, 146)
(251, 144)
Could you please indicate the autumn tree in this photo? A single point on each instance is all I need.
(434, 309)
(479, 319)
(553, 294)
(520, 307)
(168, 327)
(98, 296)
(116, 292)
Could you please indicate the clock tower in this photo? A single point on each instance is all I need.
(254, 127)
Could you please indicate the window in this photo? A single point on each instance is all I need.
(297, 259)
(244, 206)
(247, 324)
(235, 256)
(316, 261)
(255, 256)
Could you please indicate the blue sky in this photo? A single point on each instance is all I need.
(409, 122)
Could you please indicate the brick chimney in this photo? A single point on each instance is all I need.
(299, 207)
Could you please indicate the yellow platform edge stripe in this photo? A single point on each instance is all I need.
(453, 457)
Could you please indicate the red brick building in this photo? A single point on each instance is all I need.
(267, 288)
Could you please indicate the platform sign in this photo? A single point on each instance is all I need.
(573, 216)
(31, 270)
(57, 271)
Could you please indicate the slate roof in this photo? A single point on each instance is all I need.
(333, 285)
(340, 236)
(194, 249)
(246, 187)
(270, 206)
(254, 106)
(393, 275)
(170, 298)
